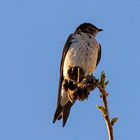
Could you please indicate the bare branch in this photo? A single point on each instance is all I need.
(102, 85)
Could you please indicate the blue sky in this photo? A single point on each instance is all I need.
(32, 36)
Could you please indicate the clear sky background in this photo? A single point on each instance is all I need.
(32, 36)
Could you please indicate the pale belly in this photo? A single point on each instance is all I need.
(81, 54)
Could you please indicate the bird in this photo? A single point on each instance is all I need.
(81, 49)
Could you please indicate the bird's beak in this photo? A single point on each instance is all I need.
(100, 30)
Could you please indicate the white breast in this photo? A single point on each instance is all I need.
(83, 52)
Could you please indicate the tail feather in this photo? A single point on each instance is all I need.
(60, 117)
(66, 112)
(58, 113)
(62, 113)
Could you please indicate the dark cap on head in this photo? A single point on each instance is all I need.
(88, 28)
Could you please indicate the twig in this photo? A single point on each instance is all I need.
(104, 109)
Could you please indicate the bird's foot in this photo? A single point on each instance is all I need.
(72, 95)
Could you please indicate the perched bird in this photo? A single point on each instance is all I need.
(81, 49)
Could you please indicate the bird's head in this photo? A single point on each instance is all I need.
(88, 28)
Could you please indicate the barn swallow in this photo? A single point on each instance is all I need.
(81, 49)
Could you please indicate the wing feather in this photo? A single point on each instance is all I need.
(65, 50)
(99, 55)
